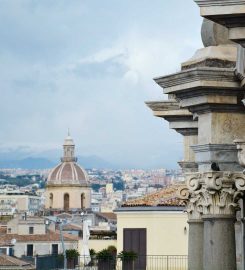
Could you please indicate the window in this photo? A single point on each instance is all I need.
(29, 250)
(66, 202)
(82, 200)
(55, 249)
(51, 200)
(3, 251)
(31, 230)
(9, 230)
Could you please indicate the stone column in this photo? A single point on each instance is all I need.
(195, 244)
(209, 89)
(214, 196)
(195, 237)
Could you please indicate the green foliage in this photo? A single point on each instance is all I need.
(72, 253)
(96, 187)
(127, 255)
(104, 255)
(22, 180)
(112, 249)
(92, 252)
(118, 185)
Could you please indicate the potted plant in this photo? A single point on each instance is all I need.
(127, 258)
(72, 258)
(106, 259)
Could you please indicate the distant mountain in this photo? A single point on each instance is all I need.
(27, 163)
(31, 160)
(95, 162)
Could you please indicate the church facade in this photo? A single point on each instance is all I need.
(67, 186)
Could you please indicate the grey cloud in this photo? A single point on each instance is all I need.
(88, 65)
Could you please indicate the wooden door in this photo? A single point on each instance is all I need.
(135, 240)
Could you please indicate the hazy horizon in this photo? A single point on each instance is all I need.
(88, 66)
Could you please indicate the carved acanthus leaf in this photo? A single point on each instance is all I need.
(214, 193)
(183, 193)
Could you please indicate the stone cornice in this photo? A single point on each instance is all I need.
(169, 110)
(66, 185)
(219, 78)
(229, 13)
(213, 147)
(207, 108)
(163, 105)
(188, 166)
(207, 3)
(188, 131)
(180, 119)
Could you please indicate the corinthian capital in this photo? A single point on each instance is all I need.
(214, 193)
(187, 193)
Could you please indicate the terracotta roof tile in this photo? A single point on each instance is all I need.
(107, 215)
(3, 230)
(50, 236)
(69, 227)
(164, 197)
(12, 261)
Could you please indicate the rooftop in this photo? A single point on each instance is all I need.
(14, 262)
(50, 236)
(164, 197)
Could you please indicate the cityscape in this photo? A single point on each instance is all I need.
(109, 188)
(122, 143)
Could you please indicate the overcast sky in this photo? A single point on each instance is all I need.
(88, 65)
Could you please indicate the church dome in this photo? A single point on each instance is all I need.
(68, 172)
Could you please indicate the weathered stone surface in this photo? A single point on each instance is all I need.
(209, 86)
(214, 34)
(224, 155)
(219, 252)
(182, 121)
(207, 78)
(221, 127)
(229, 13)
(241, 151)
(213, 193)
(222, 56)
(188, 166)
(195, 244)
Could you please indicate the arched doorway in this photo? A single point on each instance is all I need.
(51, 199)
(82, 200)
(66, 202)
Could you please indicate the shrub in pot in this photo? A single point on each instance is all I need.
(127, 258)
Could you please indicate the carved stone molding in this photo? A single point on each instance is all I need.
(212, 193)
